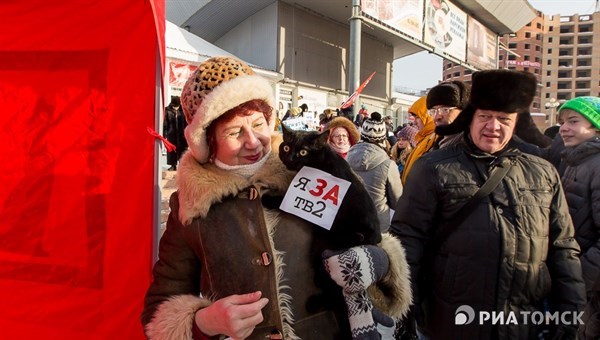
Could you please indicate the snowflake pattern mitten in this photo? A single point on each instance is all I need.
(354, 270)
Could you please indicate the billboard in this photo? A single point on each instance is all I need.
(445, 28)
(482, 46)
(405, 16)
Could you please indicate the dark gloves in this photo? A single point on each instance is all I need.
(354, 270)
(564, 332)
(560, 332)
(407, 328)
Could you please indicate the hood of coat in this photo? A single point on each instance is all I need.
(578, 154)
(353, 134)
(366, 156)
(202, 185)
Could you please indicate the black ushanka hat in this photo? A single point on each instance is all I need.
(449, 93)
(498, 90)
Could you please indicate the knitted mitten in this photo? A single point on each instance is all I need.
(354, 270)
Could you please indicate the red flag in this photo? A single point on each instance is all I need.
(354, 95)
(78, 177)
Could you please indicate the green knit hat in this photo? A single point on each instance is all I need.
(588, 107)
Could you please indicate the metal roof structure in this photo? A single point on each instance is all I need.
(211, 19)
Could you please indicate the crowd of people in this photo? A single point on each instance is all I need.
(480, 212)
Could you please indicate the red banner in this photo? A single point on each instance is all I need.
(348, 102)
(78, 91)
(179, 73)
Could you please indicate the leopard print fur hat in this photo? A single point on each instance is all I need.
(218, 85)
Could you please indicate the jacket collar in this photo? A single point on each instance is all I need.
(510, 151)
(202, 185)
(578, 154)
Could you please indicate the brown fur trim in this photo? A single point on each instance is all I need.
(202, 185)
(175, 317)
(348, 125)
(393, 294)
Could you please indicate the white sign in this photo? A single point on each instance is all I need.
(405, 15)
(315, 196)
(446, 28)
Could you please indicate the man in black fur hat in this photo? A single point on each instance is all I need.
(505, 249)
(445, 101)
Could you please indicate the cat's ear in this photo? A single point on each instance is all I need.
(286, 131)
(323, 137)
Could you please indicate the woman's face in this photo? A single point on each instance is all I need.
(418, 122)
(574, 128)
(402, 143)
(243, 140)
(339, 137)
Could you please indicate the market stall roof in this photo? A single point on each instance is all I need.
(181, 44)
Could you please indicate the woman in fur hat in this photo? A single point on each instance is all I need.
(580, 131)
(342, 135)
(509, 249)
(231, 264)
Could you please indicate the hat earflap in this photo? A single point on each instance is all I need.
(460, 124)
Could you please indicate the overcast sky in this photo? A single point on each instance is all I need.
(423, 70)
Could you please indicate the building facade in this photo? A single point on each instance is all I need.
(562, 51)
(571, 60)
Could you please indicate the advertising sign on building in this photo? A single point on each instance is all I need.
(446, 28)
(482, 46)
(405, 16)
(179, 72)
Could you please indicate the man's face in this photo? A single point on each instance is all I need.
(492, 130)
(443, 115)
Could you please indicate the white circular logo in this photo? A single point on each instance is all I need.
(464, 315)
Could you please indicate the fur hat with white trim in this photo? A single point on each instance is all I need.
(217, 86)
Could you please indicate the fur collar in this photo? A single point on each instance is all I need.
(202, 185)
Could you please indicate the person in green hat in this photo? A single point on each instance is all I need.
(580, 130)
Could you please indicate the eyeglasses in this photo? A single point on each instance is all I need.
(440, 110)
(339, 136)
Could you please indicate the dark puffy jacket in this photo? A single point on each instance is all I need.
(515, 248)
(581, 181)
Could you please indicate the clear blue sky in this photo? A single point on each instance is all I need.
(423, 70)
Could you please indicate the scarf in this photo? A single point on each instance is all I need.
(244, 170)
(422, 147)
(342, 151)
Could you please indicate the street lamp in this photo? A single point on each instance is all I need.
(551, 105)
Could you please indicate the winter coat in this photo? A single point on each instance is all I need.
(581, 181)
(514, 249)
(424, 138)
(381, 177)
(225, 236)
(173, 130)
